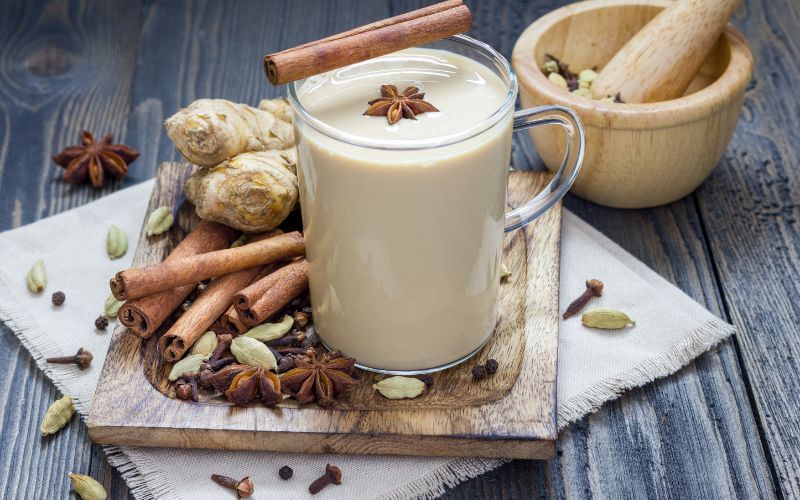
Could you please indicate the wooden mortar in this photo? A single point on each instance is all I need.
(637, 155)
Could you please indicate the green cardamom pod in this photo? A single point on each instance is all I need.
(159, 221)
(607, 319)
(116, 242)
(57, 415)
(241, 240)
(504, 272)
(250, 351)
(87, 487)
(271, 331)
(190, 363)
(37, 277)
(400, 387)
(111, 307)
(205, 344)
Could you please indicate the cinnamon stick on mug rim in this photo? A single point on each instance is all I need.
(135, 283)
(369, 41)
(145, 315)
(261, 300)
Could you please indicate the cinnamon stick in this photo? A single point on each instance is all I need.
(208, 306)
(229, 322)
(172, 273)
(366, 42)
(145, 315)
(261, 300)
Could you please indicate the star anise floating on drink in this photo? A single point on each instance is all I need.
(319, 377)
(395, 106)
(94, 160)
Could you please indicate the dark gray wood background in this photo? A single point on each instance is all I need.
(725, 426)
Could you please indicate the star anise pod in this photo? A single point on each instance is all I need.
(394, 105)
(252, 384)
(95, 159)
(320, 377)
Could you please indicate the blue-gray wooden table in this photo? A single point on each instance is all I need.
(724, 426)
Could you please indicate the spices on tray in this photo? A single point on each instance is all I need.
(94, 160)
(190, 363)
(159, 221)
(37, 277)
(264, 298)
(87, 487)
(205, 344)
(116, 242)
(140, 282)
(57, 415)
(271, 331)
(145, 315)
(58, 298)
(285, 472)
(255, 383)
(243, 487)
(101, 323)
(111, 307)
(333, 475)
(186, 386)
(320, 377)
(300, 319)
(606, 319)
(400, 387)
(394, 105)
(250, 351)
(82, 359)
(479, 372)
(579, 84)
(594, 288)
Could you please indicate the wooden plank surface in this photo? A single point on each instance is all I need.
(732, 245)
(133, 404)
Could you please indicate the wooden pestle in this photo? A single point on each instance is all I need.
(660, 61)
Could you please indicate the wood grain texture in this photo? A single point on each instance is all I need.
(681, 437)
(503, 416)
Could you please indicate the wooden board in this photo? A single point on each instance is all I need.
(508, 415)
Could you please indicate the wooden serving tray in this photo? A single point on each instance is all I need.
(510, 415)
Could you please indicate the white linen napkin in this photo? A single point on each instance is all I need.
(594, 366)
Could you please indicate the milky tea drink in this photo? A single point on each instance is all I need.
(404, 222)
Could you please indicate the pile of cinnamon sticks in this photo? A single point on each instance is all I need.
(249, 284)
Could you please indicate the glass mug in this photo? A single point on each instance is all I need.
(404, 238)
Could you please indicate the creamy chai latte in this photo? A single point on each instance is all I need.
(404, 245)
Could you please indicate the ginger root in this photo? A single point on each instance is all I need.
(210, 131)
(252, 192)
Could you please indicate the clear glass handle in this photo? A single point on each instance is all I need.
(567, 172)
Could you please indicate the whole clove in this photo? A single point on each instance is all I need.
(58, 298)
(594, 288)
(82, 359)
(491, 366)
(333, 475)
(285, 364)
(243, 487)
(223, 344)
(291, 339)
(186, 386)
(217, 364)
